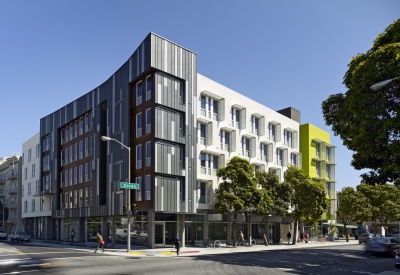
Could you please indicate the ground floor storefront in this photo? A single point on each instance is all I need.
(152, 229)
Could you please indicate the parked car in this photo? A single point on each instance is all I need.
(397, 259)
(20, 237)
(3, 236)
(365, 237)
(383, 245)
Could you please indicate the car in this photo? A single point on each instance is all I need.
(3, 236)
(365, 237)
(383, 245)
(20, 237)
(397, 259)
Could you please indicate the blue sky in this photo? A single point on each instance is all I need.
(280, 53)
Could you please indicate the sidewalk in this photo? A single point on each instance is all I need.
(193, 251)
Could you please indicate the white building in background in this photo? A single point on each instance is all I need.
(230, 124)
(35, 208)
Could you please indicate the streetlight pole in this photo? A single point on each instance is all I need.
(128, 240)
(377, 86)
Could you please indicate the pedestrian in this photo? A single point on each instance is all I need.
(100, 242)
(289, 237)
(241, 238)
(72, 235)
(301, 236)
(177, 243)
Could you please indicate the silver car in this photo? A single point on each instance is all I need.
(383, 245)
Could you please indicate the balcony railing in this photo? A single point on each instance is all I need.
(46, 148)
(12, 174)
(12, 191)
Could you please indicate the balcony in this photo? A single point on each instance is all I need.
(2, 179)
(46, 148)
(12, 191)
(12, 206)
(12, 174)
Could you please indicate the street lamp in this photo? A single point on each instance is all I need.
(380, 85)
(128, 240)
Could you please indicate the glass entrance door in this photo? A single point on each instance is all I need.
(159, 236)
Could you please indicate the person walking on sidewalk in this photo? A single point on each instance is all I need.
(100, 242)
(177, 243)
(289, 237)
(72, 235)
(241, 238)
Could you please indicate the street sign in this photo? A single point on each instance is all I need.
(128, 185)
(118, 192)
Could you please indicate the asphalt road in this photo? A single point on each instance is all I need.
(339, 260)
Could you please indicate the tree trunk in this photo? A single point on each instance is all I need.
(262, 231)
(345, 232)
(234, 235)
(296, 225)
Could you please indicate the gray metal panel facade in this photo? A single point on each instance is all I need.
(154, 52)
(167, 194)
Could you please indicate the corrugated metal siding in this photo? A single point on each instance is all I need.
(167, 195)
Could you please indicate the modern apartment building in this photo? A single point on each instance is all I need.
(10, 183)
(35, 206)
(180, 127)
(319, 163)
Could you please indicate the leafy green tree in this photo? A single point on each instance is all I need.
(279, 194)
(368, 121)
(308, 198)
(314, 231)
(332, 230)
(385, 204)
(236, 191)
(353, 207)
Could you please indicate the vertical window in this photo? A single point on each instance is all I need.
(86, 147)
(148, 88)
(264, 152)
(70, 154)
(62, 158)
(203, 105)
(66, 200)
(66, 178)
(148, 187)
(328, 154)
(76, 152)
(46, 144)
(37, 187)
(61, 179)
(66, 155)
(148, 154)
(202, 163)
(62, 136)
(139, 190)
(46, 163)
(139, 157)
(66, 134)
(203, 188)
(293, 159)
(23, 191)
(71, 131)
(318, 168)
(86, 172)
(29, 189)
(75, 175)
(38, 150)
(80, 149)
(139, 94)
(148, 121)
(33, 205)
(80, 197)
(71, 199)
(246, 147)
(76, 128)
(29, 155)
(237, 118)
(215, 165)
(288, 138)
(23, 158)
(70, 177)
(91, 196)
(203, 134)
(81, 126)
(86, 123)
(86, 197)
(80, 173)
(227, 141)
(256, 123)
(272, 131)
(26, 173)
(139, 125)
(318, 149)
(215, 110)
(75, 198)
(279, 157)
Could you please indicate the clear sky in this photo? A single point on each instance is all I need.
(279, 53)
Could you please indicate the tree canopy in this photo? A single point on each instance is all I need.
(368, 121)
(307, 199)
(353, 207)
(236, 191)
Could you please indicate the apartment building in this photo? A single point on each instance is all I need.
(35, 205)
(319, 163)
(10, 183)
(230, 124)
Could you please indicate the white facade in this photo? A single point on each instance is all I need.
(33, 205)
(230, 124)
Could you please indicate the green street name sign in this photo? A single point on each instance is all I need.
(128, 185)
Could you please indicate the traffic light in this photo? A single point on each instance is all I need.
(135, 209)
(124, 209)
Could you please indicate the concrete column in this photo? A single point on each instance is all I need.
(205, 228)
(212, 108)
(151, 228)
(181, 229)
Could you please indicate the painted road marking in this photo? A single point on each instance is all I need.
(13, 251)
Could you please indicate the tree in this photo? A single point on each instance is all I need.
(279, 194)
(332, 230)
(353, 207)
(368, 121)
(236, 191)
(308, 198)
(385, 204)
